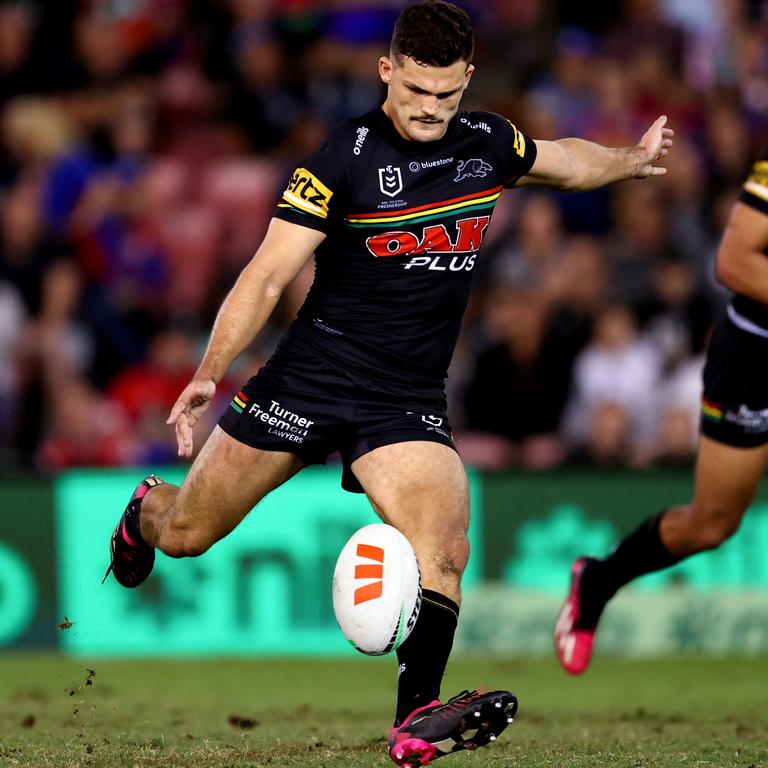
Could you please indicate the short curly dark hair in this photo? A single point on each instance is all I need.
(433, 32)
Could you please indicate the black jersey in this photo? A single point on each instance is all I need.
(755, 194)
(404, 223)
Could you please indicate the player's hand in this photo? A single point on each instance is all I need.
(653, 146)
(192, 403)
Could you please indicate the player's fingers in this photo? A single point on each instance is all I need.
(667, 132)
(176, 411)
(184, 435)
(658, 170)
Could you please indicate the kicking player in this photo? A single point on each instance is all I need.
(394, 205)
(733, 444)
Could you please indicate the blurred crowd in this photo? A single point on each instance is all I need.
(145, 143)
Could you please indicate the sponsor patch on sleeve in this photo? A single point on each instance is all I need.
(757, 183)
(307, 193)
(519, 141)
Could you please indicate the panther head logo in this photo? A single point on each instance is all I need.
(472, 167)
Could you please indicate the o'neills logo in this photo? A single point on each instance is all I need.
(361, 132)
(435, 244)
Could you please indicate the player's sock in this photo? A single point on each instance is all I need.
(424, 655)
(641, 552)
(132, 523)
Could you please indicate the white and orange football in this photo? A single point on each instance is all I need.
(376, 589)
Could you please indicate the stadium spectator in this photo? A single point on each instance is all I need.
(516, 396)
(610, 414)
(86, 430)
(12, 318)
(146, 390)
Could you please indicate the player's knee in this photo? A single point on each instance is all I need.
(713, 532)
(183, 542)
(454, 552)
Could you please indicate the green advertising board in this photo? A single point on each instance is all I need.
(27, 564)
(537, 524)
(264, 589)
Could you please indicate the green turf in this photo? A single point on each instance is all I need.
(681, 712)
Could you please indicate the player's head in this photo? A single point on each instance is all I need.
(428, 68)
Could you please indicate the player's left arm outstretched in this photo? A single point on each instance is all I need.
(577, 165)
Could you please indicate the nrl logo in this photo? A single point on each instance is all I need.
(472, 167)
(390, 180)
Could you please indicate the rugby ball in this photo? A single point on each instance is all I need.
(376, 589)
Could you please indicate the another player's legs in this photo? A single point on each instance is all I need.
(421, 488)
(226, 480)
(726, 481)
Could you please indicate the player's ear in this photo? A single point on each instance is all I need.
(468, 74)
(385, 69)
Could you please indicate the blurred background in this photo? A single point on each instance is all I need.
(144, 146)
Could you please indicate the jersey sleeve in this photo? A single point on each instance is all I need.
(317, 192)
(516, 150)
(754, 193)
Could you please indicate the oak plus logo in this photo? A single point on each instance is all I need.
(390, 180)
(436, 249)
(367, 570)
(473, 167)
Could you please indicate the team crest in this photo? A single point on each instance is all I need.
(390, 180)
(472, 167)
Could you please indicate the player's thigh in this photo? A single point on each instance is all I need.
(226, 480)
(421, 488)
(727, 479)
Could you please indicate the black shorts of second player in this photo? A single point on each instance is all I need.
(734, 407)
(304, 403)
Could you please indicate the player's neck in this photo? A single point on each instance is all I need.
(386, 108)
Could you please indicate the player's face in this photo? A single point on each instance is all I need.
(421, 99)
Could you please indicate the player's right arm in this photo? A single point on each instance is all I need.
(243, 313)
(742, 261)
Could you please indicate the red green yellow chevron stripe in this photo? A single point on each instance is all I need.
(711, 411)
(239, 401)
(473, 202)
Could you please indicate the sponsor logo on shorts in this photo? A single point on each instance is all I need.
(472, 167)
(281, 422)
(434, 423)
(754, 422)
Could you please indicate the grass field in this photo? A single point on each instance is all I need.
(233, 713)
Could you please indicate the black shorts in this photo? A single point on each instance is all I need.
(306, 403)
(734, 408)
